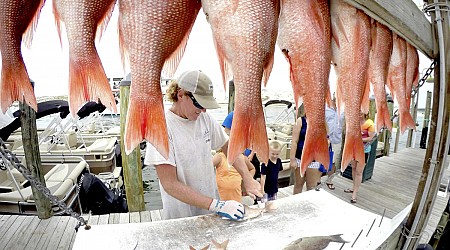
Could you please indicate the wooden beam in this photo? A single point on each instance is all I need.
(402, 17)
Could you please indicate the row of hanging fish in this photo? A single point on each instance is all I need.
(154, 34)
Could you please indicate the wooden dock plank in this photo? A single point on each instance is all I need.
(135, 217)
(48, 233)
(145, 216)
(103, 219)
(93, 219)
(28, 227)
(155, 215)
(55, 239)
(124, 218)
(7, 223)
(7, 238)
(38, 232)
(113, 218)
(68, 235)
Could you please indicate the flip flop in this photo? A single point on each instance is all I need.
(353, 200)
(348, 190)
(330, 186)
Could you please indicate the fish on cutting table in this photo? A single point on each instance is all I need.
(255, 211)
(152, 36)
(244, 34)
(87, 78)
(315, 242)
(351, 37)
(397, 82)
(18, 20)
(203, 248)
(380, 54)
(304, 36)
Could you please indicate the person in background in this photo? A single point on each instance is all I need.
(367, 133)
(228, 179)
(335, 137)
(187, 179)
(269, 173)
(312, 174)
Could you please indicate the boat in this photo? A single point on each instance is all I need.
(16, 196)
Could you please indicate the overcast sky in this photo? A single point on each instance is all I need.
(47, 62)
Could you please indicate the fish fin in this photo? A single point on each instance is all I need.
(124, 52)
(15, 85)
(365, 101)
(29, 32)
(341, 28)
(319, 26)
(103, 22)
(146, 120)
(328, 97)
(222, 245)
(353, 149)
(338, 238)
(225, 67)
(57, 21)
(172, 62)
(267, 70)
(406, 121)
(383, 117)
(248, 132)
(89, 83)
(315, 148)
(296, 85)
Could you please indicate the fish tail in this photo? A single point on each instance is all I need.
(383, 118)
(296, 85)
(353, 150)
(406, 121)
(315, 148)
(222, 245)
(248, 132)
(29, 32)
(338, 238)
(88, 82)
(146, 120)
(15, 85)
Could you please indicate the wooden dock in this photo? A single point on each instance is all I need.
(391, 188)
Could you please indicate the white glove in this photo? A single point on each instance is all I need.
(230, 209)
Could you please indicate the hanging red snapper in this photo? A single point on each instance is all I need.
(17, 18)
(304, 37)
(87, 78)
(380, 54)
(152, 34)
(351, 35)
(244, 34)
(397, 82)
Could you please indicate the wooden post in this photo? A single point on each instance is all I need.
(413, 110)
(372, 108)
(426, 119)
(132, 169)
(33, 158)
(397, 135)
(434, 158)
(387, 133)
(231, 93)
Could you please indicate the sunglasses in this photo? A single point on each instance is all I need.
(196, 104)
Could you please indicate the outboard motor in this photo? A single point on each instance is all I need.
(97, 198)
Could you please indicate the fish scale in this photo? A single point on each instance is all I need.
(152, 37)
(244, 34)
(308, 23)
(18, 19)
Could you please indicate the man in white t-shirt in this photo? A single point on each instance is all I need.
(187, 177)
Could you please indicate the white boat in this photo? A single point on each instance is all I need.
(16, 196)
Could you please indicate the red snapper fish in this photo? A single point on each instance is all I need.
(397, 82)
(304, 37)
(244, 34)
(351, 35)
(412, 70)
(87, 78)
(380, 54)
(18, 19)
(152, 35)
